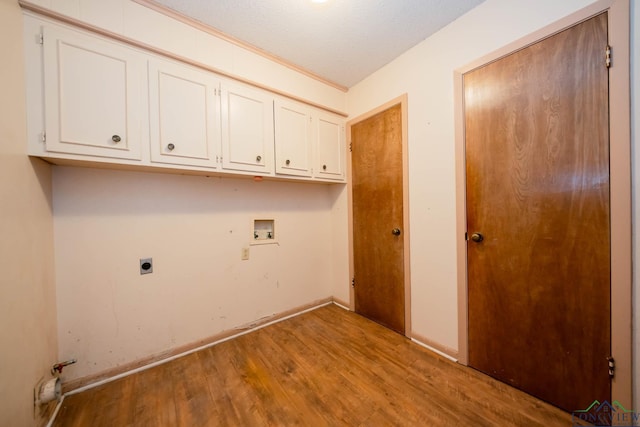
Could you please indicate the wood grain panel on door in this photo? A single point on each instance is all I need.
(378, 245)
(537, 176)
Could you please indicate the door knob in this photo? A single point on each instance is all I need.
(477, 237)
(395, 231)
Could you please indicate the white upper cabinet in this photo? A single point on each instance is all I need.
(293, 139)
(184, 115)
(247, 129)
(330, 147)
(95, 100)
(93, 95)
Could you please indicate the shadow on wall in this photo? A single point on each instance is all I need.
(89, 192)
(42, 172)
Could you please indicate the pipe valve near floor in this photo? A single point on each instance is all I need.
(57, 368)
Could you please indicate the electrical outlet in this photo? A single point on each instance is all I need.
(245, 254)
(146, 265)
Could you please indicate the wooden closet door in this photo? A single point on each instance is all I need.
(537, 177)
(378, 245)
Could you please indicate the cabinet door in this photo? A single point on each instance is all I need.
(330, 147)
(93, 96)
(247, 130)
(293, 135)
(183, 114)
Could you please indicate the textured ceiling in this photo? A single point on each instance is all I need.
(342, 40)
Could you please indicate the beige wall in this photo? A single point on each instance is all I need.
(195, 229)
(27, 295)
(426, 74)
(340, 281)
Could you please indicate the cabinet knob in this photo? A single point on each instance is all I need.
(116, 138)
(170, 147)
(258, 158)
(288, 162)
(324, 167)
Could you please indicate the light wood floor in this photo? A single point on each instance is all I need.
(327, 367)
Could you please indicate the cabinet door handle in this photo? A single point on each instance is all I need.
(170, 146)
(258, 158)
(116, 138)
(324, 167)
(288, 162)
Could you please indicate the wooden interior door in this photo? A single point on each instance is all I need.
(537, 177)
(378, 239)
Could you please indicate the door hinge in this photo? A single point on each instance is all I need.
(40, 38)
(350, 147)
(607, 57)
(44, 137)
(353, 282)
(466, 236)
(611, 365)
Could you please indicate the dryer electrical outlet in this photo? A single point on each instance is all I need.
(146, 265)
